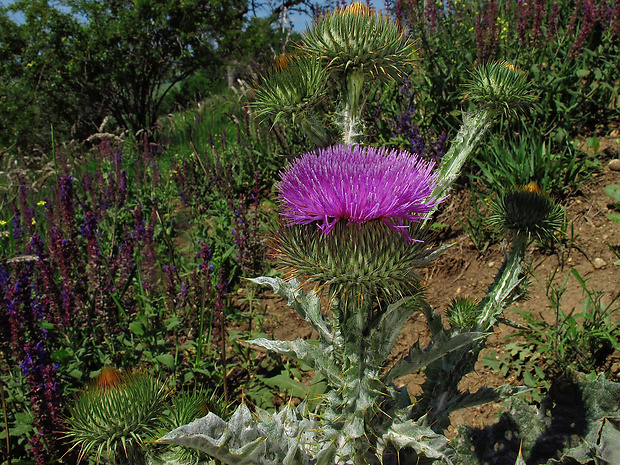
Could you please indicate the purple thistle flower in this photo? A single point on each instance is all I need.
(356, 184)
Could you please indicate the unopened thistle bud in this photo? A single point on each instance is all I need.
(500, 86)
(463, 313)
(113, 417)
(527, 211)
(295, 85)
(356, 38)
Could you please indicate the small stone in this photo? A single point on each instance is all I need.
(614, 164)
(458, 290)
(491, 264)
(598, 263)
(605, 237)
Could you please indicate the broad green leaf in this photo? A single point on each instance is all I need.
(136, 328)
(286, 383)
(166, 359)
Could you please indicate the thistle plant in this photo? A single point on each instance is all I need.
(353, 221)
(113, 417)
(353, 45)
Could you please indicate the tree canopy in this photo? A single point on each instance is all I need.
(73, 63)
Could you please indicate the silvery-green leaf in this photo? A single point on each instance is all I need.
(384, 335)
(237, 443)
(280, 439)
(313, 353)
(608, 440)
(419, 358)
(308, 306)
(422, 439)
(483, 396)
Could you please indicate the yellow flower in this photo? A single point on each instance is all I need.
(533, 188)
(41, 203)
(357, 7)
(33, 222)
(2, 222)
(4, 234)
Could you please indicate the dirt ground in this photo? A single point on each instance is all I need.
(464, 270)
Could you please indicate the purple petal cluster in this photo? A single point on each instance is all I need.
(357, 184)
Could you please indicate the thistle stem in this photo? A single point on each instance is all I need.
(474, 126)
(351, 124)
(504, 285)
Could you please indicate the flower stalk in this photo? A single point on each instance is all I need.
(354, 104)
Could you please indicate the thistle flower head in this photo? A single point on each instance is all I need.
(112, 418)
(500, 86)
(377, 190)
(357, 185)
(359, 265)
(356, 37)
(528, 211)
(108, 378)
(296, 84)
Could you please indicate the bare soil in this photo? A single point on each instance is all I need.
(464, 270)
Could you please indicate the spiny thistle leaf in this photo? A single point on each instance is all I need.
(281, 439)
(423, 440)
(419, 358)
(356, 38)
(306, 305)
(318, 356)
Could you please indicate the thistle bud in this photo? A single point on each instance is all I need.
(296, 84)
(112, 417)
(463, 313)
(527, 211)
(500, 86)
(356, 38)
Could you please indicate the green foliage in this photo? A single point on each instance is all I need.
(613, 191)
(98, 258)
(515, 158)
(136, 51)
(75, 65)
(570, 53)
(575, 424)
(579, 340)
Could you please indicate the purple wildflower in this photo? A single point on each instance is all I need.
(357, 184)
